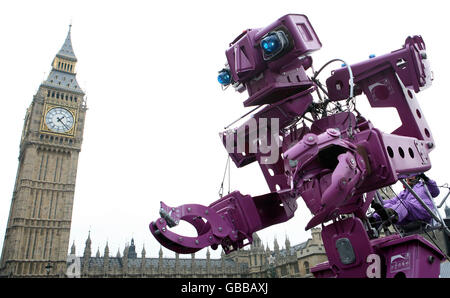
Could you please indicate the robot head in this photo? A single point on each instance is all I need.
(270, 62)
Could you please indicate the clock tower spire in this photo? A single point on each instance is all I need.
(40, 217)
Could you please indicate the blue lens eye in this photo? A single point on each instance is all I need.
(271, 44)
(224, 77)
(274, 44)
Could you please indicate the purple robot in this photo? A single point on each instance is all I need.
(317, 146)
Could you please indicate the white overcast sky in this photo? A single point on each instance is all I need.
(149, 70)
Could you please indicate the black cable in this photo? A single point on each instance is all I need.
(319, 84)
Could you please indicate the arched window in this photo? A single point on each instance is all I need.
(284, 271)
(306, 265)
(59, 64)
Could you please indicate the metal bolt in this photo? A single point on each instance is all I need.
(189, 209)
(310, 139)
(163, 229)
(196, 241)
(220, 229)
(206, 212)
(430, 145)
(180, 239)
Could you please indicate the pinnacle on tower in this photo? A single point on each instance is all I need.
(72, 249)
(88, 240)
(125, 251)
(66, 51)
(62, 77)
(143, 251)
(87, 248)
(106, 254)
(276, 247)
(287, 242)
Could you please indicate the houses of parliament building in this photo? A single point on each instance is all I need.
(38, 229)
(256, 262)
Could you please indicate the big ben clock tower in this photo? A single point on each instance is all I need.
(38, 229)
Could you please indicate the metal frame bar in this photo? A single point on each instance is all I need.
(444, 199)
(425, 206)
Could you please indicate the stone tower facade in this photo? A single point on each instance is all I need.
(37, 235)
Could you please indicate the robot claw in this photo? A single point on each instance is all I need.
(221, 223)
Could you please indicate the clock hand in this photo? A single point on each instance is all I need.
(59, 119)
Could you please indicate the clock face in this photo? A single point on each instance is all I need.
(59, 120)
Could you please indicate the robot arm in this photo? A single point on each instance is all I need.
(388, 81)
